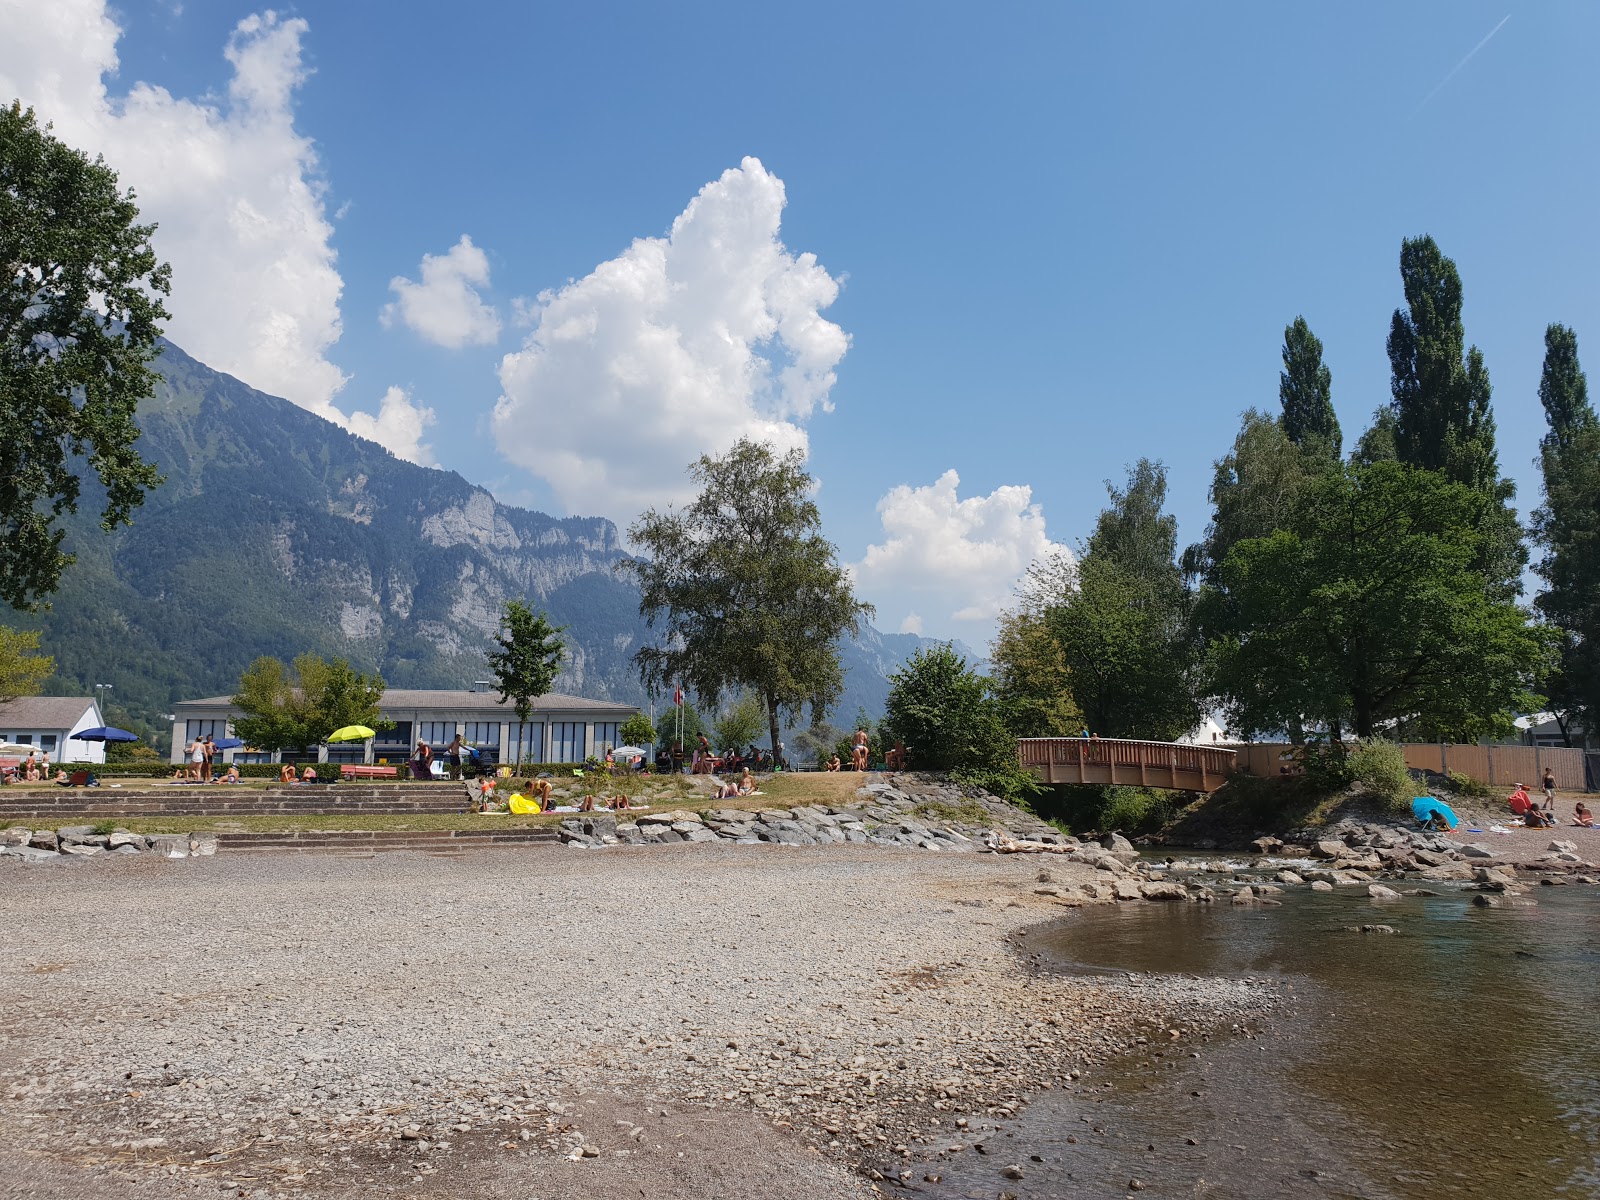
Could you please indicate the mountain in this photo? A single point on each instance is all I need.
(276, 532)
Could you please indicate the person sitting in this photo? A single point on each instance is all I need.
(587, 805)
(747, 783)
(895, 760)
(231, 775)
(309, 775)
(1519, 801)
(619, 802)
(286, 773)
(1535, 819)
(833, 763)
(1582, 816)
(61, 778)
(178, 775)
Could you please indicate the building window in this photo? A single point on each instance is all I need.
(605, 736)
(399, 736)
(567, 742)
(346, 752)
(483, 733)
(525, 743)
(199, 729)
(47, 742)
(436, 733)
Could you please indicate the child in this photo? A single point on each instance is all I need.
(486, 793)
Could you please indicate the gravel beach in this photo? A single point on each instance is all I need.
(675, 1021)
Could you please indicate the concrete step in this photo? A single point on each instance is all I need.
(340, 841)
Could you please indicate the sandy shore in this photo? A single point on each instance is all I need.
(692, 1020)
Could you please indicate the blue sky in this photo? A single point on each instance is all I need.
(1061, 237)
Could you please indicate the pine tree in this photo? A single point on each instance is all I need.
(1305, 388)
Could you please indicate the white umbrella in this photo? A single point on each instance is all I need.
(17, 748)
(629, 752)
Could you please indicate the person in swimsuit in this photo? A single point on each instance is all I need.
(858, 750)
(1582, 816)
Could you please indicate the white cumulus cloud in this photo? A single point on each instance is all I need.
(235, 188)
(445, 308)
(677, 347)
(961, 559)
(398, 427)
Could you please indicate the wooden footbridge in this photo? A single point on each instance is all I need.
(1118, 760)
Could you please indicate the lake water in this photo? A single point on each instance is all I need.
(1458, 1057)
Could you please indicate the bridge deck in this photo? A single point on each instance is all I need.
(1119, 760)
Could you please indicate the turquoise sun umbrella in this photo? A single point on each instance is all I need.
(1425, 808)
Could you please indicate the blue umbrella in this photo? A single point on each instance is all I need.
(228, 743)
(1425, 808)
(104, 733)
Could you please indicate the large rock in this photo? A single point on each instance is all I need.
(45, 839)
(122, 838)
(1117, 843)
(1476, 850)
(1378, 892)
(1163, 890)
(15, 836)
(1330, 849)
(1128, 889)
(30, 853)
(1566, 847)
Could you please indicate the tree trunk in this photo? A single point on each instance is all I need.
(772, 726)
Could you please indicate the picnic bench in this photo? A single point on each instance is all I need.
(358, 771)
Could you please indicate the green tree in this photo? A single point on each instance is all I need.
(22, 668)
(1030, 679)
(1125, 631)
(637, 731)
(1368, 609)
(274, 714)
(1305, 389)
(1254, 487)
(529, 658)
(949, 720)
(80, 313)
(741, 721)
(745, 590)
(1440, 397)
(285, 709)
(1567, 525)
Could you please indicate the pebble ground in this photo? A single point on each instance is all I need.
(676, 1021)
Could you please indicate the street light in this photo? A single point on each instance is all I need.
(100, 690)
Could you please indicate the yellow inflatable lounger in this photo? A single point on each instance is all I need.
(521, 804)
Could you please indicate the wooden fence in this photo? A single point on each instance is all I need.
(1497, 766)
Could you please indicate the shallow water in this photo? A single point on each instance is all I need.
(1459, 1057)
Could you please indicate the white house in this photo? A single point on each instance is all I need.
(49, 722)
(560, 728)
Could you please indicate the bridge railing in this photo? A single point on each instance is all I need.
(1126, 757)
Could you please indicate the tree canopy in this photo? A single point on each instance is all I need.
(286, 709)
(1567, 525)
(1305, 390)
(1367, 609)
(22, 668)
(743, 589)
(948, 719)
(80, 312)
(529, 658)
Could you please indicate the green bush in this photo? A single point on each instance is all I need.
(1380, 768)
(1466, 785)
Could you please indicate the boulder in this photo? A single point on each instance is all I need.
(1267, 846)
(1378, 892)
(1564, 847)
(1163, 890)
(1330, 849)
(45, 839)
(1289, 877)
(1128, 889)
(1321, 885)
(16, 836)
(1476, 850)
(72, 834)
(122, 838)
(1430, 858)
(28, 853)
(1116, 843)
(81, 849)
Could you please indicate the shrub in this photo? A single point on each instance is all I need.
(1380, 768)
(1466, 785)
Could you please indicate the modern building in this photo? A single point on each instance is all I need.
(49, 722)
(559, 729)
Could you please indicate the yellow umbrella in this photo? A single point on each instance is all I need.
(351, 733)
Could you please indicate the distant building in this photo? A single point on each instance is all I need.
(49, 722)
(1542, 729)
(560, 728)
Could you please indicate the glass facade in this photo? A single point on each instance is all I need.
(436, 733)
(606, 737)
(196, 729)
(567, 742)
(525, 743)
(482, 733)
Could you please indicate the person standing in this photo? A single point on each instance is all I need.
(210, 748)
(422, 762)
(1549, 790)
(453, 754)
(197, 758)
(858, 750)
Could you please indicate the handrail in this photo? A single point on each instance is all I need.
(1159, 764)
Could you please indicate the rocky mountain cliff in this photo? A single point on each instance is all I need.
(277, 532)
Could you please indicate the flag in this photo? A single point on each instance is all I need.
(677, 697)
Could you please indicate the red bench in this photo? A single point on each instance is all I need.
(357, 771)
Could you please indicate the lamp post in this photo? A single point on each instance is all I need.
(100, 690)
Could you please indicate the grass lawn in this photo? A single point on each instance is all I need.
(662, 793)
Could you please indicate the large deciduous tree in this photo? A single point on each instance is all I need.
(949, 720)
(1567, 525)
(285, 709)
(80, 313)
(22, 667)
(529, 658)
(744, 589)
(1124, 629)
(1367, 609)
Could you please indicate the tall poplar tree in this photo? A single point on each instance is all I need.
(1439, 389)
(1568, 526)
(1305, 388)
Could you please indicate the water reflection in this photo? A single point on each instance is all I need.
(1458, 1057)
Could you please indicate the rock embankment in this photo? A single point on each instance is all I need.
(85, 841)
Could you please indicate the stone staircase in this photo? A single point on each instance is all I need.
(42, 805)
